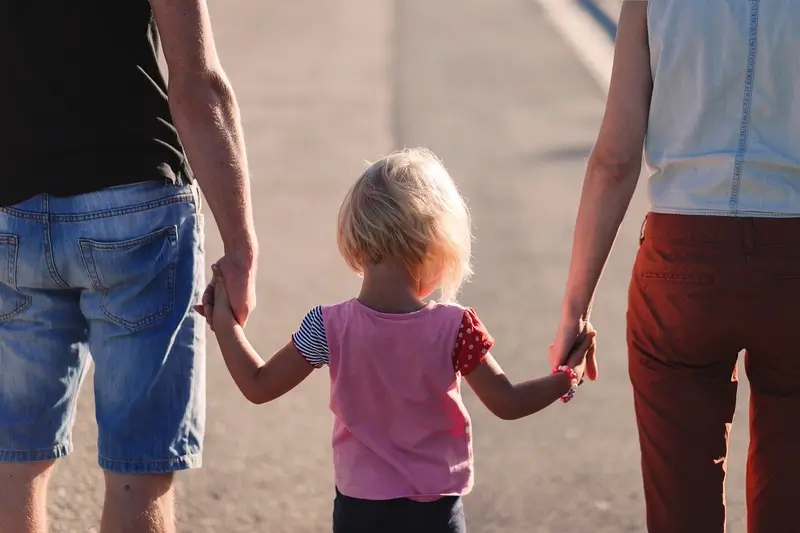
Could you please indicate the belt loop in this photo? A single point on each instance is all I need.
(641, 231)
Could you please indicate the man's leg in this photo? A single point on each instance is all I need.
(42, 361)
(144, 270)
(23, 497)
(138, 503)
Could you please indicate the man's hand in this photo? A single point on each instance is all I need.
(238, 272)
(237, 279)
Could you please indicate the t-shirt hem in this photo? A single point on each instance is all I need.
(401, 495)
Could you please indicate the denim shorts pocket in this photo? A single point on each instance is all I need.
(12, 302)
(136, 277)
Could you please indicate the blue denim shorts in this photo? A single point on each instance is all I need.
(111, 277)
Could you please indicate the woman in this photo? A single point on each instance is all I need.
(710, 89)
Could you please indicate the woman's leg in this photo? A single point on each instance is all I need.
(773, 369)
(773, 464)
(683, 347)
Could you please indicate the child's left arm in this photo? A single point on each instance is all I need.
(259, 381)
(503, 398)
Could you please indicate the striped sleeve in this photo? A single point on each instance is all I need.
(310, 339)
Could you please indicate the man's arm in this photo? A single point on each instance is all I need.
(206, 115)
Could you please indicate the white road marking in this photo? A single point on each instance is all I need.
(584, 35)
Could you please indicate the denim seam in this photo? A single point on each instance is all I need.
(41, 454)
(73, 414)
(11, 264)
(11, 258)
(48, 247)
(171, 232)
(182, 462)
(24, 307)
(43, 217)
(746, 105)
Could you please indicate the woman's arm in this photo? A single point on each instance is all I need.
(611, 175)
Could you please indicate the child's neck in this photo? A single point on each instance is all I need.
(390, 289)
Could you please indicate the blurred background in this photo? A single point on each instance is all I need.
(509, 94)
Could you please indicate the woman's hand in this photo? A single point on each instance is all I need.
(571, 334)
(583, 354)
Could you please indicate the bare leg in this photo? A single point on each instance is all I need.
(23, 496)
(138, 504)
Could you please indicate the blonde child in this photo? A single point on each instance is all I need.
(402, 443)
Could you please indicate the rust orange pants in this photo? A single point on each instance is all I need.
(703, 289)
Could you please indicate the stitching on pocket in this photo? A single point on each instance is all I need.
(89, 246)
(675, 277)
(171, 232)
(11, 243)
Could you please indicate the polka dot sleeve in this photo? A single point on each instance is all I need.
(472, 343)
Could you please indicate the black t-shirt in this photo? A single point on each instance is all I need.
(84, 103)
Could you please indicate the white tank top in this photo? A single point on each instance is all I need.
(724, 130)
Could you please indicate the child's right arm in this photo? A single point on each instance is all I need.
(511, 401)
(259, 381)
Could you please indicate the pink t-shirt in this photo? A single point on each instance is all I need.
(400, 427)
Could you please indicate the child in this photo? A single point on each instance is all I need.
(402, 447)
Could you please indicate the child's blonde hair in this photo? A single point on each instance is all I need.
(406, 207)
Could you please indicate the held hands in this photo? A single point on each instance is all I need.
(216, 306)
(239, 274)
(570, 338)
(582, 353)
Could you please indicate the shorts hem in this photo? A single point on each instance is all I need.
(184, 462)
(34, 456)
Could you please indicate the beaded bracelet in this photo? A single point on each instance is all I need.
(573, 381)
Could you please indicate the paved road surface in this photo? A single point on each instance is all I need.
(491, 88)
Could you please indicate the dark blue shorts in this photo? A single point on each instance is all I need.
(354, 515)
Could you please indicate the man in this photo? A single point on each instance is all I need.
(101, 244)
